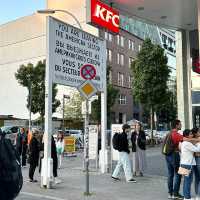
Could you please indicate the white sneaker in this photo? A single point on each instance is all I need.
(57, 180)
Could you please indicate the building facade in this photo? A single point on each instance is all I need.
(122, 49)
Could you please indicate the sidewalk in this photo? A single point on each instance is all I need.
(102, 187)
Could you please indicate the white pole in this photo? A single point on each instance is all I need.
(103, 152)
(47, 161)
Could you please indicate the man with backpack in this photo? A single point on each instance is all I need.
(172, 154)
(11, 179)
(120, 143)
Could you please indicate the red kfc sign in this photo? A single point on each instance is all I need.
(102, 15)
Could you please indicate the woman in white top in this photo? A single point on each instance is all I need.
(60, 146)
(188, 161)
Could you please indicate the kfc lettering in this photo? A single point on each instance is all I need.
(105, 16)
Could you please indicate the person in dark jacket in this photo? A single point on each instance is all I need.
(33, 154)
(124, 160)
(24, 136)
(138, 139)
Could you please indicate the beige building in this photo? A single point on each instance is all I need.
(23, 41)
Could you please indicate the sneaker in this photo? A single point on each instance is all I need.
(170, 196)
(132, 181)
(141, 174)
(115, 178)
(57, 181)
(33, 181)
(178, 196)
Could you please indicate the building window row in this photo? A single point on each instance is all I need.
(122, 99)
(121, 41)
(130, 61)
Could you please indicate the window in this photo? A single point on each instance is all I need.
(131, 45)
(120, 40)
(109, 55)
(120, 79)
(129, 81)
(122, 99)
(130, 61)
(120, 59)
(108, 36)
(139, 47)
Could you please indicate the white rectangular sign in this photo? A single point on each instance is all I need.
(93, 141)
(69, 49)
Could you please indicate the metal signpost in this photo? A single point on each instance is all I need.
(78, 59)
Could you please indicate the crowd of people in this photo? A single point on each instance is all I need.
(31, 150)
(183, 161)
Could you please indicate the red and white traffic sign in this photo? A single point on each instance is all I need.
(88, 72)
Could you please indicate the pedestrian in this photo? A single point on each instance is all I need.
(24, 136)
(173, 162)
(33, 154)
(55, 161)
(60, 145)
(124, 160)
(138, 140)
(11, 179)
(188, 162)
(196, 133)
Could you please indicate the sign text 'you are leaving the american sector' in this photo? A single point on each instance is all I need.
(70, 48)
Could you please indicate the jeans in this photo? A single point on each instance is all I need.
(197, 179)
(174, 179)
(187, 182)
(124, 162)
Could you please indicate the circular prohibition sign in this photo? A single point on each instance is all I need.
(88, 72)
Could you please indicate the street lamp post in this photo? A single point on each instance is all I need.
(53, 11)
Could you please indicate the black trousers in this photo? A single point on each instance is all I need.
(55, 167)
(32, 170)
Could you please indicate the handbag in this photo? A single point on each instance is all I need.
(185, 172)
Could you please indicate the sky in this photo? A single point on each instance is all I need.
(13, 9)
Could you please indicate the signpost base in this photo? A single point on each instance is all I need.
(103, 161)
(46, 174)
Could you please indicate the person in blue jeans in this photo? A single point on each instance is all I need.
(188, 162)
(173, 162)
(174, 179)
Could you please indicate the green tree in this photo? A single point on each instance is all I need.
(33, 78)
(150, 77)
(73, 106)
(112, 94)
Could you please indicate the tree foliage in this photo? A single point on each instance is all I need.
(150, 76)
(73, 106)
(33, 78)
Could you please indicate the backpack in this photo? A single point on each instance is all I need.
(10, 168)
(116, 141)
(168, 147)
